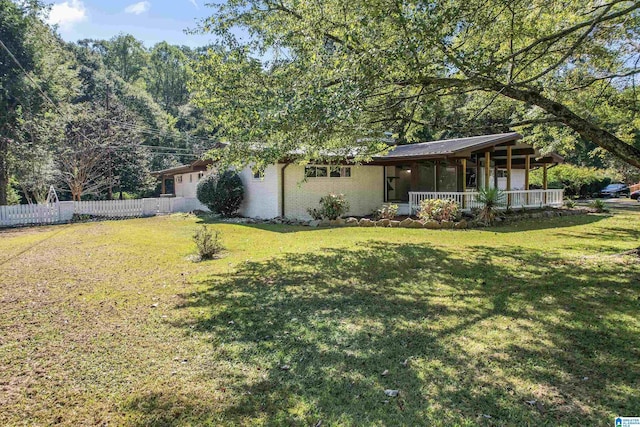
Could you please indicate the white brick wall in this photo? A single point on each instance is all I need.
(363, 190)
(261, 196)
(189, 185)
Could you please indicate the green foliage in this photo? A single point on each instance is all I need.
(576, 180)
(439, 210)
(491, 199)
(388, 211)
(222, 193)
(569, 203)
(481, 64)
(207, 242)
(598, 205)
(332, 206)
(13, 197)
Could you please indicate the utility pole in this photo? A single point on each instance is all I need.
(109, 165)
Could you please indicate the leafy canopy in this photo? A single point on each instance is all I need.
(336, 74)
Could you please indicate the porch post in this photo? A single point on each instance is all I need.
(544, 181)
(527, 164)
(487, 169)
(477, 172)
(509, 174)
(414, 176)
(464, 182)
(437, 173)
(164, 188)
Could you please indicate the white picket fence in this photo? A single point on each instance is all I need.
(64, 211)
(515, 198)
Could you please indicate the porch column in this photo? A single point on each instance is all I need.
(509, 174)
(477, 172)
(464, 182)
(414, 176)
(437, 175)
(527, 164)
(544, 181)
(487, 168)
(164, 187)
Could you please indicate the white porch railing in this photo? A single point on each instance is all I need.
(514, 198)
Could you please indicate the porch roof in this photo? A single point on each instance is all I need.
(448, 147)
(198, 165)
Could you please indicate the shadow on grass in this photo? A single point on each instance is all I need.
(308, 336)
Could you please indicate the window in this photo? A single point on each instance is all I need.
(178, 179)
(502, 173)
(325, 171)
(259, 175)
(200, 175)
(315, 171)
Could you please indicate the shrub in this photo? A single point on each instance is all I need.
(491, 199)
(439, 210)
(569, 203)
(599, 206)
(576, 180)
(386, 212)
(332, 206)
(222, 193)
(207, 242)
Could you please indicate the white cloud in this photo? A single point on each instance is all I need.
(138, 8)
(67, 14)
(193, 2)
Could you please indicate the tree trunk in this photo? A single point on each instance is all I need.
(4, 170)
(583, 127)
(586, 129)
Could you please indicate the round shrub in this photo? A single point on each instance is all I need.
(222, 194)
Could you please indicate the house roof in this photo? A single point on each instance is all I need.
(447, 147)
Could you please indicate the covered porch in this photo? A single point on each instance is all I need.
(457, 169)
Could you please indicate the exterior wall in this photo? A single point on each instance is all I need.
(261, 196)
(517, 179)
(363, 190)
(189, 184)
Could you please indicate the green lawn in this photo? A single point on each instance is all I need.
(110, 323)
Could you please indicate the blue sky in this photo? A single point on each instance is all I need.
(151, 21)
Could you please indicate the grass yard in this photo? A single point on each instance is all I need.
(109, 323)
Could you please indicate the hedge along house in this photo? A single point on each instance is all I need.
(448, 169)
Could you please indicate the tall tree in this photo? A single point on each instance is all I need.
(167, 76)
(339, 72)
(14, 27)
(126, 55)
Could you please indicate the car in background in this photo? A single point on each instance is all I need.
(615, 190)
(635, 195)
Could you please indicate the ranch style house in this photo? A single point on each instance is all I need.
(406, 175)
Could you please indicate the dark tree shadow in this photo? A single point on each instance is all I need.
(483, 333)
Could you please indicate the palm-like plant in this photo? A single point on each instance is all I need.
(490, 199)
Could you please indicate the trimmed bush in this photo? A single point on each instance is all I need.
(222, 194)
(332, 206)
(439, 210)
